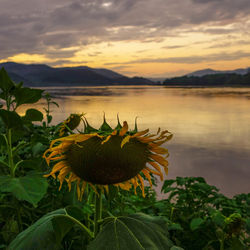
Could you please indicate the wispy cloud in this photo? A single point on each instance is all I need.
(224, 56)
(174, 46)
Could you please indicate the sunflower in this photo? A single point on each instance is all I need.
(70, 123)
(107, 156)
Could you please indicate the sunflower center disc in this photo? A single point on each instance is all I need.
(107, 163)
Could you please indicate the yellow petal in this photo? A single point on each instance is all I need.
(157, 167)
(125, 140)
(166, 170)
(114, 132)
(57, 168)
(142, 185)
(71, 179)
(159, 150)
(140, 133)
(145, 139)
(125, 186)
(135, 183)
(93, 187)
(62, 174)
(158, 158)
(124, 129)
(62, 157)
(107, 138)
(156, 173)
(147, 175)
(82, 189)
(78, 189)
(106, 188)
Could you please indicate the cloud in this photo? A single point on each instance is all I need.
(174, 46)
(223, 56)
(35, 26)
(229, 43)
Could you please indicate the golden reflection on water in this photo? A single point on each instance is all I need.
(195, 116)
(211, 126)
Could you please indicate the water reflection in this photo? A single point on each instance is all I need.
(210, 125)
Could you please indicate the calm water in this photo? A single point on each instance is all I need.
(211, 126)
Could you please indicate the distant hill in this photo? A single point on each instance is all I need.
(44, 75)
(204, 72)
(226, 79)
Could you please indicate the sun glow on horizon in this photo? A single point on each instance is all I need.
(173, 56)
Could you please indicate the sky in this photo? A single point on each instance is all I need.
(150, 38)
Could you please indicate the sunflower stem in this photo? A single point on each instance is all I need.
(82, 226)
(98, 211)
(67, 127)
(7, 138)
(88, 216)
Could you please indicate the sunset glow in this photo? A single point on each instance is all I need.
(156, 38)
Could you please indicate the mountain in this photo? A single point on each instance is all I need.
(44, 75)
(225, 79)
(204, 72)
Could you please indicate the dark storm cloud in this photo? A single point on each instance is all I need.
(35, 26)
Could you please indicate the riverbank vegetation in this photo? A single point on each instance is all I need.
(226, 79)
(34, 214)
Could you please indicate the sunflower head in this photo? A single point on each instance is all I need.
(70, 123)
(107, 156)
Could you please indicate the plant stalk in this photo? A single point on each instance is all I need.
(10, 152)
(222, 244)
(98, 211)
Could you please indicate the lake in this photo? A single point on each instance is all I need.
(211, 126)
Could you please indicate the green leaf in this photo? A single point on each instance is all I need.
(27, 95)
(18, 133)
(5, 82)
(219, 219)
(49, 118)
(33, 115)
(87, 128)
(175, 226)
(30, 188)
(135, 232)
(2, 140)
(166, 187)
(29, 165)
(105, 126)
(195, 223)
(71, 197)
(176, 248)
(45, 234)
(55, 103)
(11, 119)
(38, 149)
(248, 225)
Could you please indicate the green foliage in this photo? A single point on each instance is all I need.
(205, 214)
(10, 119)
(33, 115)
(30, 188)
(46, 233)
(6, 84)
(27, 95)
(194, 216)
(135, 232)
(211, 80)
(48, 109)
(196, 223)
